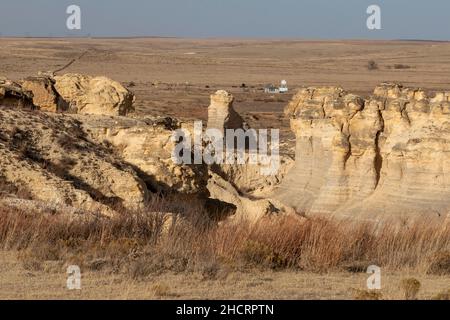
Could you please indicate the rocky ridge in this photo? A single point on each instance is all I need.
(388, 155)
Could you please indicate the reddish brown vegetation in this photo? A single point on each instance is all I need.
(145, 242)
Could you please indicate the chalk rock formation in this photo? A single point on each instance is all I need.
(45, 96)
(242, 185)
(246, 208)
(13, 95)
(388, 155)
(93, 162)
(221, 114)
(94, 95)
(248, 178)
(53, 159)
(147, 145)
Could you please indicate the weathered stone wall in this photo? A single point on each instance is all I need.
(387, 155)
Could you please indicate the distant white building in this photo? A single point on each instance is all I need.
(283, 88)
(270, 88)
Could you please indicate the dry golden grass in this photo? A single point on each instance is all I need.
(50, 283)
(141, 243)
(148, 257)
(411, 288)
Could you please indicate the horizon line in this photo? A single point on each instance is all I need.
(219, 38)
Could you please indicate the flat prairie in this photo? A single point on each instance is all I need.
(172, 76)
(16, 282)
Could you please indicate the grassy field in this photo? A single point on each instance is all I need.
(18, 282)
(148, 255)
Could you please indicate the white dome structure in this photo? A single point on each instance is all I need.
(283, 86)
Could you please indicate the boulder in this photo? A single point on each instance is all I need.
(94, 95)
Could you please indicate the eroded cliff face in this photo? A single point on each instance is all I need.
(52, 158)
(387, 155)
(89, 162)
(242, 185)
(45, 96)
(147, 145)
(13, 95)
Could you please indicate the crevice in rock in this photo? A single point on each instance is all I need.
(349, 152)
(378, 161)
(404, 113)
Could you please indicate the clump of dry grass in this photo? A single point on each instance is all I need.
(141, 243)
(440, 263)
(411, 288)
(372, 65)
(163, 290)
(320, 244)
(359, 294)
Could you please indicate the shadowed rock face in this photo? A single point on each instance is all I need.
(45, 96)
(13, 95)
(147, 145)
(221, 114)
(93, 162)
(388, 155)
(51, 157)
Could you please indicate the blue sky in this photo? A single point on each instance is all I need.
(306, 19)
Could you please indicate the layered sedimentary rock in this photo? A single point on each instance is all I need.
(13, 95)
(246, 208)
(54, 160)
(221, 114)
(147, 145)
(94, 95)
(387, 155)
(45, 96)
(93, 162)
(242, 185)
(248, 179)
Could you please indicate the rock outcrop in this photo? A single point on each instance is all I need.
(94, 162)
(45, 96)
(246, 208)
(147, 145)
(54, 160)
(94, 95)
(388, 155)
(102, 161)
(221, 114)
(241, 184)
(13, 95)
(248, 179)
